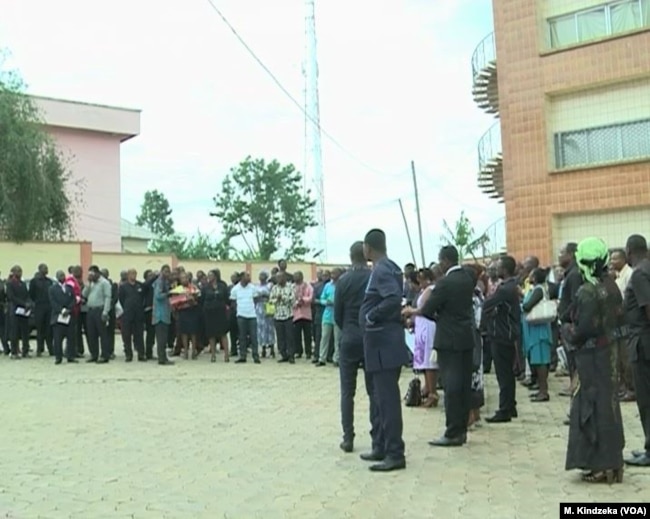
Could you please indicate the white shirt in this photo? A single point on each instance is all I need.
(244, 296)
(623, 278)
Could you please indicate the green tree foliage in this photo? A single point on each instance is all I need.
(156, 215)
(264, 203)
(38, 196)
(464, 238)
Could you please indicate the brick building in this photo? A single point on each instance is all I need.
(569, 154)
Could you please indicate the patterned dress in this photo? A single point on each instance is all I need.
(265, 327)
(478, 397)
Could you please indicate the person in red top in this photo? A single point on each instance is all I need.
(75, 273)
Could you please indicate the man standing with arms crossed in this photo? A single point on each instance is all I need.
(351, 291)
(384, 352)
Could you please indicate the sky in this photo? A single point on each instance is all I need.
(395, 85)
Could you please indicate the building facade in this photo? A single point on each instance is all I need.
(569, 154)
(90, 137)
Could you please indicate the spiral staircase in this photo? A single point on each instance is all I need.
(485, 91)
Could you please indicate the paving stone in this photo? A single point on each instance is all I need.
(201, 440)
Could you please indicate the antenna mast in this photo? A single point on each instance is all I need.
(314, 154)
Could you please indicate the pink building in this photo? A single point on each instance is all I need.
(90, 136)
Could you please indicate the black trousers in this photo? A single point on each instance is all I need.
(456, 372)
(487, 355)
(133, 335)
(162, 339)
(4, 331)
(81, 331)
(247, 327)
(59, 333)
(386, 412)
(348, 371)
(150, 335)
(642, 380)
(503, 354)
(42, 316)
(284, 333)
(97, 334)
(317, 332)
(302, 336)
(20, 333)
(110, 331)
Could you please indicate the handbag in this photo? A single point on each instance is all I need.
(413, 397)
(269, 309)
(543, 312)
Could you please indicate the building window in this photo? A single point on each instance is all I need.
(602, 145)
(606, 20)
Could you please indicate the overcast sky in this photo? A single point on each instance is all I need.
(395, 85)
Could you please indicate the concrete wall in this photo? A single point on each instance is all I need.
(61, 255)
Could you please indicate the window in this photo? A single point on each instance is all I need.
(609, 19)
(602, 145)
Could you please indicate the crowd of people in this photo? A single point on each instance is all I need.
(181, 313)
(588, 317)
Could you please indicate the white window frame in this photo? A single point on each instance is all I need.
(608, 20)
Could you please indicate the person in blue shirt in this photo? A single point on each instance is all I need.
(328, 326)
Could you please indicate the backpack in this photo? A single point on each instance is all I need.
(413, 397)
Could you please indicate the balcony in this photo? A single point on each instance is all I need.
(485, 88)
(490, 163)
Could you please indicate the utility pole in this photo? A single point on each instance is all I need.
(417, 211)
(408, 233)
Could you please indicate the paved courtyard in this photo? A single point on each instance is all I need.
(202, 440)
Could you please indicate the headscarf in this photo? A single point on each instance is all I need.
(592, 258)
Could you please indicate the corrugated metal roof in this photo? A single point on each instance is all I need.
(131, 230)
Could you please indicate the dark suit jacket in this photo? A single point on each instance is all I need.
(60, 300)
(451, 305)
(569, 289)
(380, 317)
(348, 298)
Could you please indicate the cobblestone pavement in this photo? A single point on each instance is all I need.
(202, 440)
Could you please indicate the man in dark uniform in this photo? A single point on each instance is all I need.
(131, 297)
(350, 292)
(637, 314)
(385, 353)
(62, 303)
(39, 293)
(20, 308)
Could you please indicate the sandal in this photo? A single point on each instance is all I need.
(540, 398)
(604, 476)
(431, 400)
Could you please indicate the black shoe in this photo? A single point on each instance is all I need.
(372, 456)
(128, 359)
(257, 360)
(92, 359)
(143, 359)
(58, 361)
(320, 364)
(102, 361)
(388, 465)
(166, 363)
(639, 461)
(73, 361)
(314, 361)
(443, 441)
(514, 414)
(240, 361)
(283, 360)
(499, 418)
(292, 361)
(347, 446)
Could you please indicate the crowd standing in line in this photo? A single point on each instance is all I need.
(588, 318)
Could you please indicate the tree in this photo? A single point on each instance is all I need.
(264, 203)
(38, 196)
(156, 215)
(463, 237)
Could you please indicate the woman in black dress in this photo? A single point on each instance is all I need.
(215, 298)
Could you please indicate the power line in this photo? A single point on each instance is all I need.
(286, 92)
